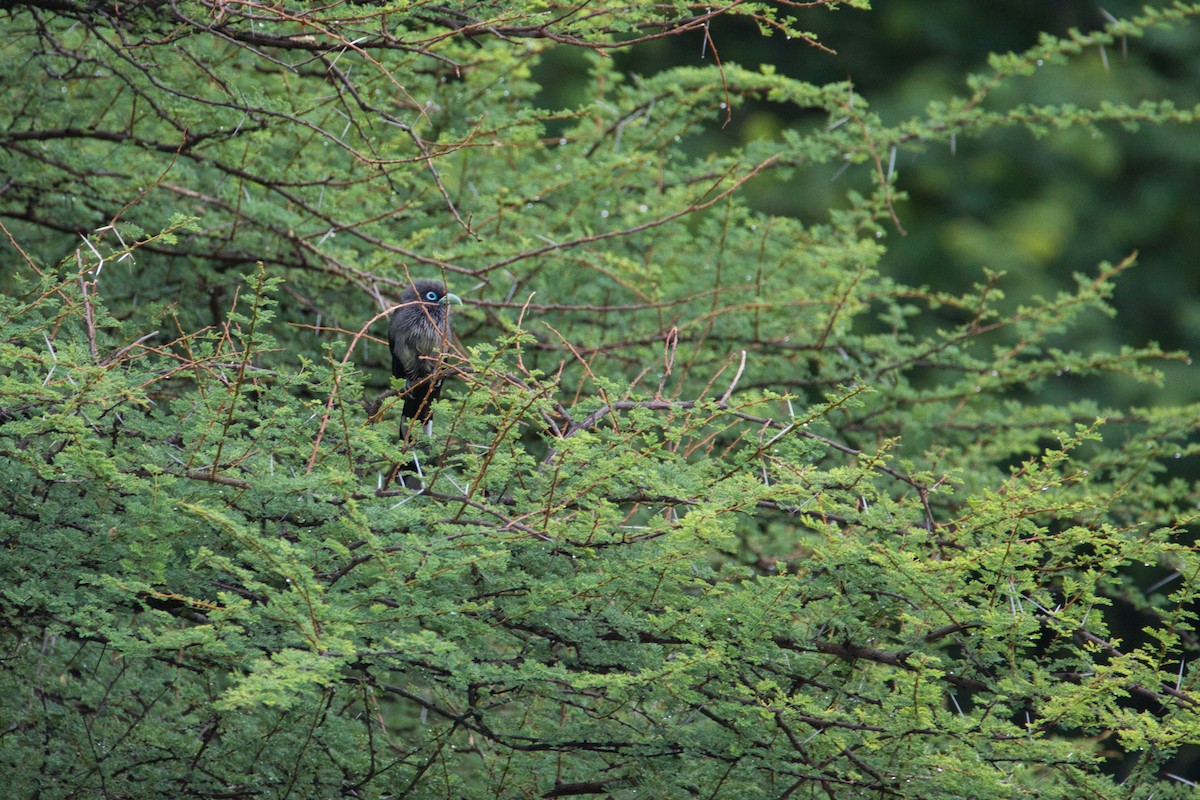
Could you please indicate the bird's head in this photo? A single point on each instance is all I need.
(429, 301)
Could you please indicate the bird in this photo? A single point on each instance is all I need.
(417, 336)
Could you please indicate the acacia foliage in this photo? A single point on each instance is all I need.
(707, 512)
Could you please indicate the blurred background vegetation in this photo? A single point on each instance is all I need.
(1039, 211)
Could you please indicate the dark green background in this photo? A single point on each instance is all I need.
(1040, 210)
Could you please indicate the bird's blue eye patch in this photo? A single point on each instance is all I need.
(431, 295)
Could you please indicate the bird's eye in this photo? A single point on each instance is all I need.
(431, 295)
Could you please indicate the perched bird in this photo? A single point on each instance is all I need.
(417, 336)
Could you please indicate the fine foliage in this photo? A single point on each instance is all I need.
(712, 507)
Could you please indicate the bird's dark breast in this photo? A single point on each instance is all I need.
(427, 344)
(416, 332)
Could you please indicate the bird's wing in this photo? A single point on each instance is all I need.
(397, 367)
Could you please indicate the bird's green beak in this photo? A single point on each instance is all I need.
(451, 298)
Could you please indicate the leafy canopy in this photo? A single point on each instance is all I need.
(713, 506)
